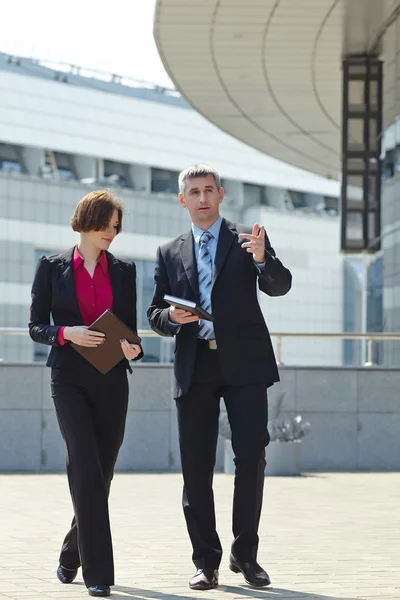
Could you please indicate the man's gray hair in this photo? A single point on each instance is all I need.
(198, 170)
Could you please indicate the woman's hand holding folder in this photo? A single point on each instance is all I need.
(130, 351)
(83, 336)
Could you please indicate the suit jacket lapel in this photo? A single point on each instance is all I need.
(67, 274)
(189, 262)
(116, 277)
(225, 241)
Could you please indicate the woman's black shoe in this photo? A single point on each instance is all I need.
(66, 575)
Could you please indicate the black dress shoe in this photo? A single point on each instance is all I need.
(66, 575)
(204, 579)
(251, 570)
(99, 590)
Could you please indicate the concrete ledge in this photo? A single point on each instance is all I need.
(354, 415)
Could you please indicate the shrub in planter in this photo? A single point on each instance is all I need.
(286, 433)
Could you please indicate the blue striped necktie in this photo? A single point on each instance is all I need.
(204, 269)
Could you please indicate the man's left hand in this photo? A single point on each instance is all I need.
(256, 243)
(130, 351)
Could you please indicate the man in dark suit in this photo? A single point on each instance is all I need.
(217, 265)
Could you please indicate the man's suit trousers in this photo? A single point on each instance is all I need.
(198, 418)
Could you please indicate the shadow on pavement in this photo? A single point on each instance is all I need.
(269, 593)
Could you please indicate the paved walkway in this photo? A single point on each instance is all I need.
(323, 537)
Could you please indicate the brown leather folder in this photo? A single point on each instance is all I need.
(108, 354)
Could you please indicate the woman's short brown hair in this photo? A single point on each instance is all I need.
(95, 210)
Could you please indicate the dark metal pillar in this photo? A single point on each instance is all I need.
(361, 149)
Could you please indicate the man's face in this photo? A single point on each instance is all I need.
(202, 199)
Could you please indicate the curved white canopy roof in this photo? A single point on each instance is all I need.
(266, 71)
(269, 71)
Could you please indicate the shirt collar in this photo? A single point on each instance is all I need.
(78, 261)
(214, 230)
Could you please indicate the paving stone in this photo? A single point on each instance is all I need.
(322, 537)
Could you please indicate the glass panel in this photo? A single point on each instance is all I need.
(9, 159)
(351, 311)
(332, 204)
(388, 165)
(145, 289)
(355, 180)
(354, 192)
(115, 173)
(313, 200)
(9, 152)
(356, 93)
(373, 94)
(354, 231)
(355, 140)
(375, 304)
(164, 181)
(10, 166)
(297, 198)
(64, 166)
(253, 194)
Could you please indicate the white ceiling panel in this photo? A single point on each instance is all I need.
(268, 72)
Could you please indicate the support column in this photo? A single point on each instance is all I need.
(361, 150)
(141, 177)
(85, 167)
(33, 159)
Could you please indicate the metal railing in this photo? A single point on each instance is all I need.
(370, 338)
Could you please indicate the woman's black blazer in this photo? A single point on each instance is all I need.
(54, 295)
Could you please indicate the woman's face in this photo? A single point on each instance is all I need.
(102, 239)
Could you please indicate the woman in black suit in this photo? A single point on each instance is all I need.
(74, 289)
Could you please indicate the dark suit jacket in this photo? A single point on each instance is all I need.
(53, 293)
(244, 345)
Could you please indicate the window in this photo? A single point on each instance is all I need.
(253, 194)
(331, 204)
(375, 305)
(351, 312)
(10, 161)
(313, 200)
(320, 204)
(164, 181)
(65, 168)
(297, 199)
(389, 165)
(156, 349)
(58, 165)
(116, 173)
